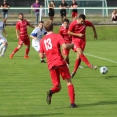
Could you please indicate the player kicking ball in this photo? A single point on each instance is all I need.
(50, 46)
(77, 30)
(3, 41)
(22, 35)
(36, 36)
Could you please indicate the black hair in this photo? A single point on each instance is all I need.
(66, 20)
(82, 16)
(20, 14)
(41, 22)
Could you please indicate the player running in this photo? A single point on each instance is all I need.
(36, 36)
(50, 46)
(22, 35)
(77, 29)
(63, 31)
(3, 41)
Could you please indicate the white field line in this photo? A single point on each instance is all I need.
(101, 58)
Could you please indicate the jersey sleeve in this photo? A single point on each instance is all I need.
(17, 26)
(88, 23)
(71, 27)
(34, 32)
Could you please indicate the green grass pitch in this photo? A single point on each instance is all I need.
(24, 83)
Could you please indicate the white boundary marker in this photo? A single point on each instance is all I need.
(100, 58)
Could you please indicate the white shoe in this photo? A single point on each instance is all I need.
(1, 55)
(81, 66)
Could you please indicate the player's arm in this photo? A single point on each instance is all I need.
(33, 37)
(67, 46)
(17, 33)
(31, 26)
(75, 34)
(94, 30)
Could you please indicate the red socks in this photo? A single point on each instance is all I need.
(27, 51)
(15, 50)
(77, 63)
(82, 57)
(71, 94)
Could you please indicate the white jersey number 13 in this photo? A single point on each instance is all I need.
(48, 44)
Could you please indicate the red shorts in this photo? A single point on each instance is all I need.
(56, 72)
(74, 14)
(24, 40)
(80, 43)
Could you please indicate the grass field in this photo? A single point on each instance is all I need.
(24, 83)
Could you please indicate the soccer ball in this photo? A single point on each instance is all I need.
(103, 70)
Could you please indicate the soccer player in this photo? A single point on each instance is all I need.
(3, 41)
(77, 29)
(63, 31)
(22, 35)
(36, 36)
(50, 46)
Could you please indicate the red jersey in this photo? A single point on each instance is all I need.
(22, 27)
(50, 45)
(75, 27)
(64, 33)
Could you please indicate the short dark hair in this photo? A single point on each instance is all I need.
(20, 14)
(48, 25)
(82, 16)
(41, 22)
(66, 20)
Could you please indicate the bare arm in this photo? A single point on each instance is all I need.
(75, 34)
(95, 33)
(17, 33)
(67, 46)
(31, 26)
(33, 37)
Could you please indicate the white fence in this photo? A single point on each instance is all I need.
(104, 10)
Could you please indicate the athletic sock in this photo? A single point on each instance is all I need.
(55, 90)
(27, 51)
(1, 46)
(71, 94)
(77, 63)
(82, 57)
(3, 50)
(15, 50)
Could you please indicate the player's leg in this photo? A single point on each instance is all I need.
(55, 77)
(66, 55)
(20, 43)
(67, 77)
(27, 43)
(4, 49)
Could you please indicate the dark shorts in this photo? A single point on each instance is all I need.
(63, 12)
(51, 12)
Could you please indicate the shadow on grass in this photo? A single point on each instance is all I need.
(33, 115)
(99, 103)
(109, 77)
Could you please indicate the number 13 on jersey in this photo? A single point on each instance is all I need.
(48, 44)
